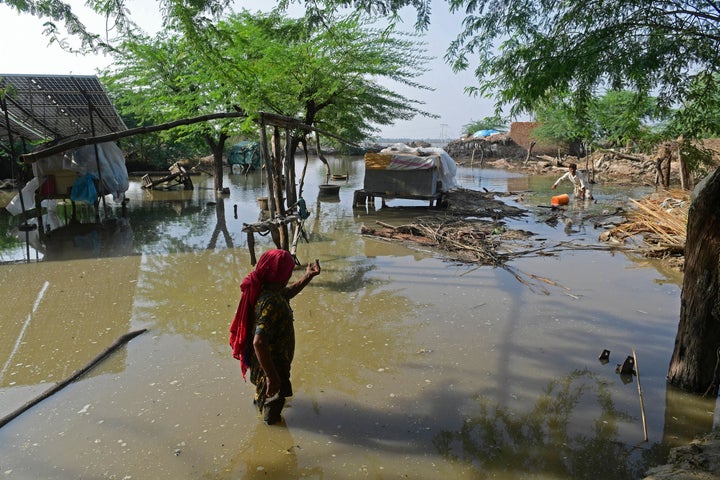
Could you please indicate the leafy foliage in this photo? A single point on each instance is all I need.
(62, 21)
(271, 63)
(531, 50)
(328, 76)
(155, 80)
(699, 115)
(617, 118)
(495, 122)
(318, 11)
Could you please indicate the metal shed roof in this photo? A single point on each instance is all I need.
(52, 107)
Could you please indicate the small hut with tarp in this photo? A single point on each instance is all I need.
(52, 111)
(246, 155)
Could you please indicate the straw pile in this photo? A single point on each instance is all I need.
(661, 221)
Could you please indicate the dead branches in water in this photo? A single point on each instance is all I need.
(471, 240)
(471, 230)
(466, 241)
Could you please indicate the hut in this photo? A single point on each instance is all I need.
(247, 155)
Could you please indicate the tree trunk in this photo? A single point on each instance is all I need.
(217, 149)
(529, 152)
(322, 158)
(277, 175)
(666, 170)
(694, 361)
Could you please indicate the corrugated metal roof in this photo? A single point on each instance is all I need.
(52, 107)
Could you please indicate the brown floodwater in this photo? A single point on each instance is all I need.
(407, 365)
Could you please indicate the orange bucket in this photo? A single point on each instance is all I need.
(563, 199)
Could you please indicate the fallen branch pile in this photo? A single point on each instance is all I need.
(479, 242)
(473, 240)
(661, 221)
(466, 241)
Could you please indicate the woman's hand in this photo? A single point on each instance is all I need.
(313, 269)
(272, 385)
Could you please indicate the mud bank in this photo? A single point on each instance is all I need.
(700, 460)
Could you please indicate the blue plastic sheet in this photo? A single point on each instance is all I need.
(83, 190)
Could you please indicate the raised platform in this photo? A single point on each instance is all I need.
(363, 198)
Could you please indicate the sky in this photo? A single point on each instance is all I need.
(25, 50)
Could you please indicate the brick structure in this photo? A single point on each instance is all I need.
(521, 133)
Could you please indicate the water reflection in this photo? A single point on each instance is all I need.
(269, 454)
(571, 432)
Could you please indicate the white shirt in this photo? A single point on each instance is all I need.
(578, 181)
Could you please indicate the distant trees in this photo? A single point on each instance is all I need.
(495, 122)
(617, 118)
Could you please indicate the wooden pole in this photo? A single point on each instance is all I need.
(79, 142)
(123, 339)
(269, 160)
(642, 404)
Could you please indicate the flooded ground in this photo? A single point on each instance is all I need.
(407, 366)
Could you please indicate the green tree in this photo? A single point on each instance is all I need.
(561, 123)
(617, 118)
(329, 77)
(495, 122)
(621, 117)
(699, 114)
(550, 46)
(161, 79)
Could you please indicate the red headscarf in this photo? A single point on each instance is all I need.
(273, 266)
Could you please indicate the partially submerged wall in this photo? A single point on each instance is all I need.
(521, 133)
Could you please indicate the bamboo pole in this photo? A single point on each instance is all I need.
(642, 404)
(79, 142)
(121, 340)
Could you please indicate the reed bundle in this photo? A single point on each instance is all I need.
(661, 221)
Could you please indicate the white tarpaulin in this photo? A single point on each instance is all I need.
(81, 161)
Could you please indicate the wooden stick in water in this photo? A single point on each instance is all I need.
(642, 404)
(122, 340)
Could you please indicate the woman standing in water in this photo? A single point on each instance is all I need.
(262, 334)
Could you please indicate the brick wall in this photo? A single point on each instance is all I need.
(521, 132)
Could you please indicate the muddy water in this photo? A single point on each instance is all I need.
(407, 366)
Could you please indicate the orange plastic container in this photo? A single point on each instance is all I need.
(563, 199)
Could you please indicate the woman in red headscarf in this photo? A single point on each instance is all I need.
(262, 334)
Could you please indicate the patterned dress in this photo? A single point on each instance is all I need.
(274, 321)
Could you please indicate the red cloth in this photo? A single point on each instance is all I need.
(273, 266)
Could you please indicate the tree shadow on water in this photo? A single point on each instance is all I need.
(572, 431)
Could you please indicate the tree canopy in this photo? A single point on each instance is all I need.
(616, 118)
(530, 50)
(328, 77)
